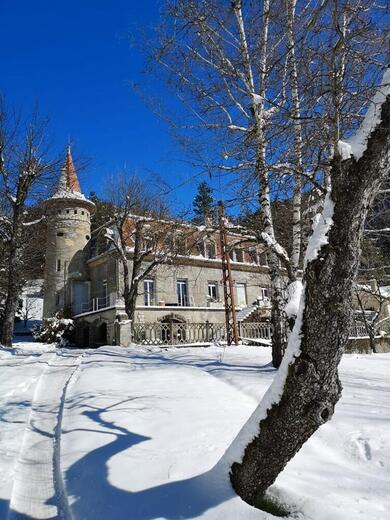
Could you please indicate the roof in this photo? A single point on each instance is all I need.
(68, 186)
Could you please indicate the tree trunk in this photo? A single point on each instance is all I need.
(13, 285)
(312, 387)
(277, 320)
(131, 302)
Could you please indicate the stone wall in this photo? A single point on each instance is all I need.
(68, 232)
(362, 345)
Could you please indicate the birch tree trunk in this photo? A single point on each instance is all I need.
(311, 387)
(298, 144)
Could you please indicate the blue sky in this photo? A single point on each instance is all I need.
(75, 60)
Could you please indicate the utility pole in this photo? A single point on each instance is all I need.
(228, 289)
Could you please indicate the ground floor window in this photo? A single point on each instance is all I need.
(182, 293)
(264, 293)
(149, 292)
(212, 288)
(241, 294)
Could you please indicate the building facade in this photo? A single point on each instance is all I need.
(83, 275)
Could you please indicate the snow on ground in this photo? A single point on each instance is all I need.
(144, 433)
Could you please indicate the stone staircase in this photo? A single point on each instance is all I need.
(244, 313)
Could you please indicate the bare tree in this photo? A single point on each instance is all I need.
(25, 169)
(229, 65)
(373, 304)
(142, 235)
(304, 394)
(242, 70)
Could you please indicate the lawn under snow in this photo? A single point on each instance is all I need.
(141, 433)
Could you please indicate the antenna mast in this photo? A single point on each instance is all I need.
(228, 289)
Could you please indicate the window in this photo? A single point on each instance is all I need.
(82, 212)
(180, 245)
(236, 255)
(58, 298)
(263, 259)
(58, 265)
(212, 289)
(67, 211)
(148, 292)
(253, 256)
(263, 293)
(239, 255)
(75, 211)
(147, 244)
(210, 250)
(60, 234)
(241, 294)
(182, 293)
(200, 248)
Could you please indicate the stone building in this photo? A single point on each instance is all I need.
(83, 276)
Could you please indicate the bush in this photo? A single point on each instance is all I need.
(54, 330)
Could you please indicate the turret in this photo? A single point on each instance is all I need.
(68, 215)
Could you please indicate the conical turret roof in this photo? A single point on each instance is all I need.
(68, 186)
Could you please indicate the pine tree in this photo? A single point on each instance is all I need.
(203, 204)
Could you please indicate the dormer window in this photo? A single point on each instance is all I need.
(236, 255)
(210, 250)
(263, 259)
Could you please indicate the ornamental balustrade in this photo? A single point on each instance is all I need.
(255, 330)
(177, 333)
(193, 333)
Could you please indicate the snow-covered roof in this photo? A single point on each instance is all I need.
(68, 185)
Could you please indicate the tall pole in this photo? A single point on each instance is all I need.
(228, 289)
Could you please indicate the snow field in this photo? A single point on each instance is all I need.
(145, 434)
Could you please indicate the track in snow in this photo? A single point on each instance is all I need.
(38, 489)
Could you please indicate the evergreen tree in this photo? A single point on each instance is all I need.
(203, 204)
(103, 211)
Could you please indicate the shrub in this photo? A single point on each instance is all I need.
(54, 330)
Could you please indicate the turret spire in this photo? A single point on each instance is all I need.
(72, 182)
(68, 180)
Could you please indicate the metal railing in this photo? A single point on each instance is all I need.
(98, 303)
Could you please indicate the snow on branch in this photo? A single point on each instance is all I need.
(33, 222)
(356, 145)
(274, 246)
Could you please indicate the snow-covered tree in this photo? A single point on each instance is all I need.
(270, 87)
(25, 170)
(142, 235)
(303, 395)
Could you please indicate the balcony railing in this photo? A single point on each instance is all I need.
(98, 303)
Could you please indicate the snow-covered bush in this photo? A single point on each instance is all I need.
(54, 330)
